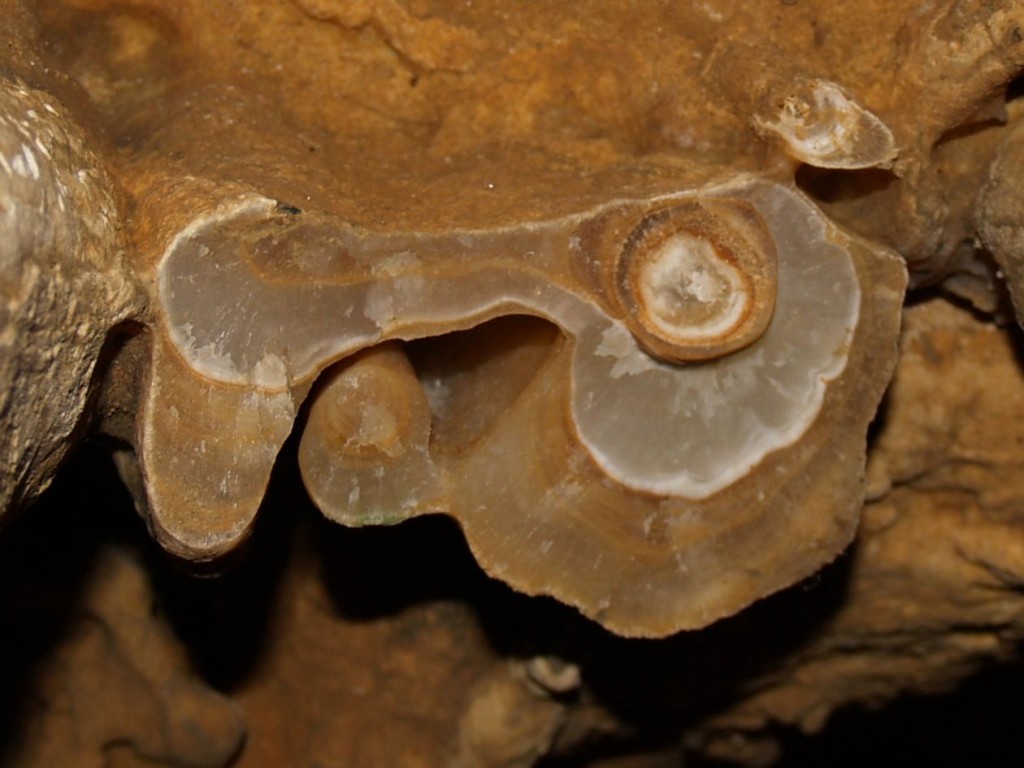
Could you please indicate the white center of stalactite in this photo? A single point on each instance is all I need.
(689, 292)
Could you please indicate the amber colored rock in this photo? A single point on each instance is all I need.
(618, 290)
(698, 426)
(118, 688)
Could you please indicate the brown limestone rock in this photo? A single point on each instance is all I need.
(63, 284)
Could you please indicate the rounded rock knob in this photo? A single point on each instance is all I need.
(697, 280)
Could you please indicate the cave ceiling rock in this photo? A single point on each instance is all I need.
(688, 432)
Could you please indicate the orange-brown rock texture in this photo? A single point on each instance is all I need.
(497, 384)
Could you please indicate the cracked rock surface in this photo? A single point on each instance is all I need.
(497, 385)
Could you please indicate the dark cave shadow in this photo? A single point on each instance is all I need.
(660, 686)
(654, 686)
(47, 554)
(222, 611)
(829, 186)
(977, 724)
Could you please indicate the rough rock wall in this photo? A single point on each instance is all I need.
(444, 169)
